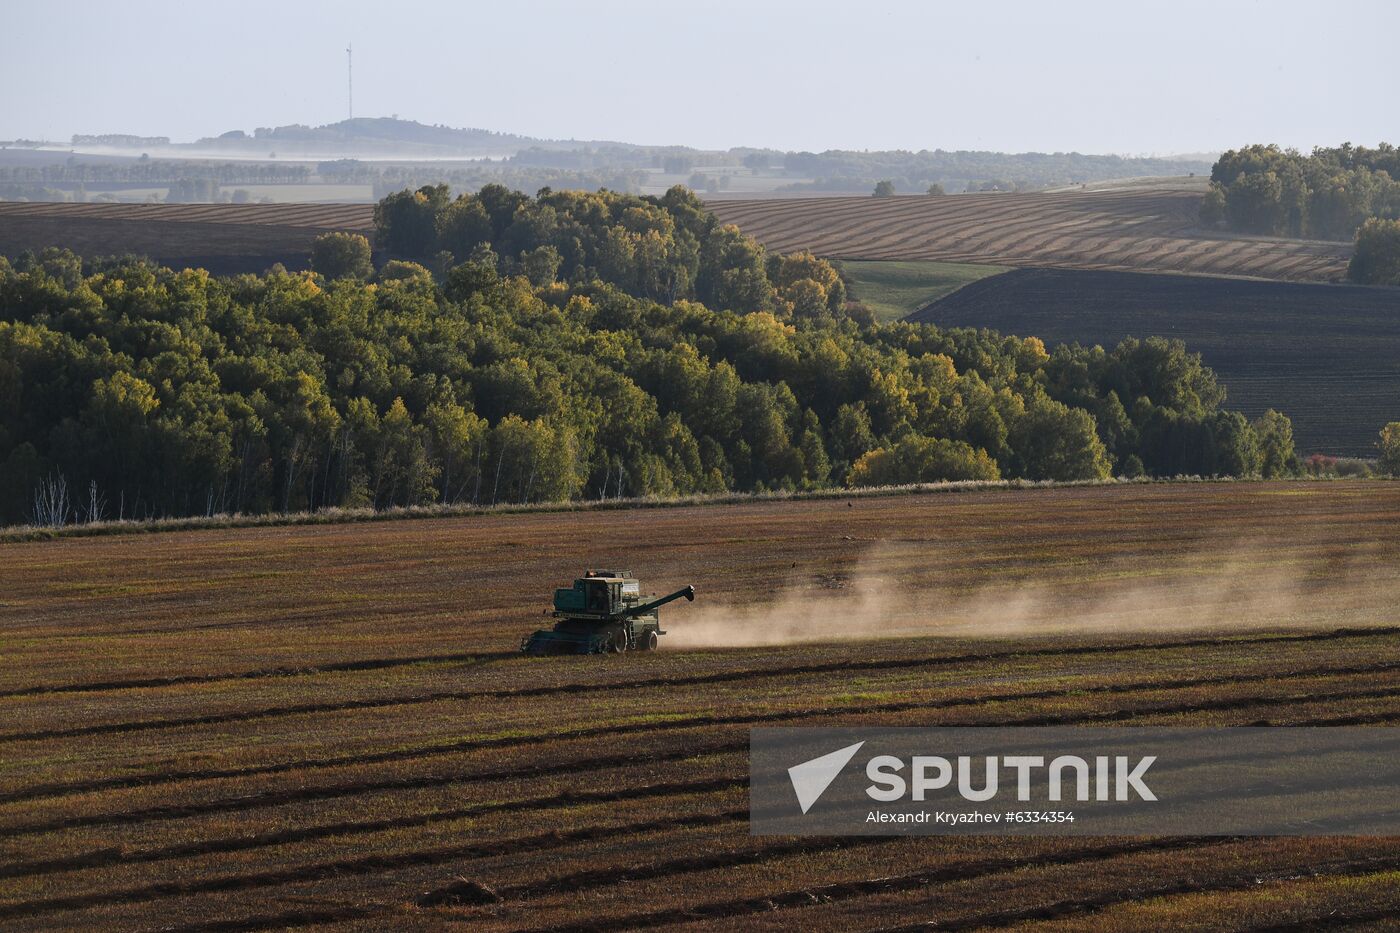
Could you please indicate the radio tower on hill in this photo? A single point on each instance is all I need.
(350, 80)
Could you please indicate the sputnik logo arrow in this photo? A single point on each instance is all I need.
(811, 778)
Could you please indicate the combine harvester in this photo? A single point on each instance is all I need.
(604, 611)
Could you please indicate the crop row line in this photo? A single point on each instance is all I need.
(372, 864)
(181, 680)
(278, 798)
(115, 856)
(850, 890)
(1247, 880)
(117, 728)
(104, 858)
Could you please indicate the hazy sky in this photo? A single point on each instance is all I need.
(1124, 77)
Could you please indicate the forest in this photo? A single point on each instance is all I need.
(958, 171)
(566, 346)
(1325, 195)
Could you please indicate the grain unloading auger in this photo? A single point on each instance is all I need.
(604, 611)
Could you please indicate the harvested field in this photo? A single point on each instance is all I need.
(223, 238)
(1328, 356)
(1131, 228)
(276, 727)
(1134, 229)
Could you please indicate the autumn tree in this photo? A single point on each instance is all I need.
(1390, 449)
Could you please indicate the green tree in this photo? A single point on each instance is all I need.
(1254, 203)
(883, 189)
(402, 475)
(1213, 209)
(917, 459)
(406, 223)
(462, 226)
(1376, 259)
(1053, 441)
(457, 443)
(1277, 454)
(1236, 449)
(541, 265)
(851, 435)
(341, 256)
(533, 462)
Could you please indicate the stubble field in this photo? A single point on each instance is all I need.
(1141, 229)
(223, 238)
(1146, 228)
(272, 727)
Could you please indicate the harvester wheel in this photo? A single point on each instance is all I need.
(618, 643)
(648, 642)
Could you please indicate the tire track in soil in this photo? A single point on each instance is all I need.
(114, 856)
(69, 788)
(117, 856)
(182, 680)
(1340, 920)
(700, 679)
(722, 910)
(1077, 906)
(279, 798)
(364, 865)
(851, 890)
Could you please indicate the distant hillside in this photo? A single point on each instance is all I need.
(387, 134)
(378, 155)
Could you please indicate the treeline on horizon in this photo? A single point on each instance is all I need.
(209, 181)
(537, 163)
(566, 346)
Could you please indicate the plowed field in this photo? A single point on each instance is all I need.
(1328, 356)
(280, 727)
(1136, 229)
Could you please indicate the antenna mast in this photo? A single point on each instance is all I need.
(350, 79)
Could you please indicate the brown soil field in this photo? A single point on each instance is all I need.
(264, 728)
(1131, 229)
(223, 238)
(1136, 228)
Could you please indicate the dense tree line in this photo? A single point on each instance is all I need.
(665, 249)
(590, 345)
(119, 140)
(1327, 194)
(1376, 260)
(915, 172)
(154, 172)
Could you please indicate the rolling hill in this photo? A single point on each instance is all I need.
(1328, 356)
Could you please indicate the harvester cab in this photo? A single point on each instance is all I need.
(604, 611)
